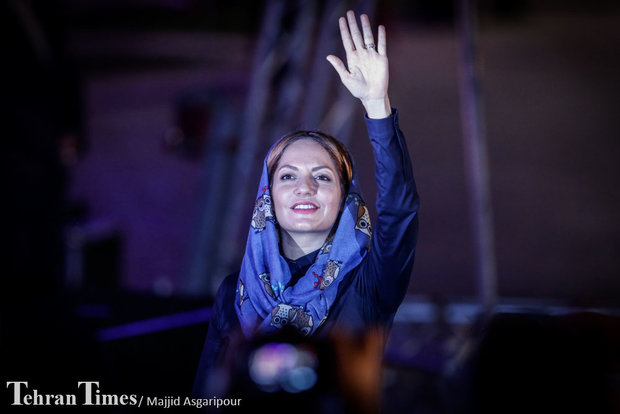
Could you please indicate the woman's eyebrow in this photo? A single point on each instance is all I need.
(318, 167)
(288, 166)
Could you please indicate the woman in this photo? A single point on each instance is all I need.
(312, 261)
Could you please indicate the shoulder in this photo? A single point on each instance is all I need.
(228, 286)
(225, 296)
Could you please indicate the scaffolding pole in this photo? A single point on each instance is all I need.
(476, 158)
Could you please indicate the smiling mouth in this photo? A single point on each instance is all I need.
(304, 207)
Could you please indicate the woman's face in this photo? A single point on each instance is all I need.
(306, 189)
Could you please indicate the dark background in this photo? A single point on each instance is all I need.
(102, 205)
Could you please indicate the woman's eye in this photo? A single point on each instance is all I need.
(286, 177)
(323, 178)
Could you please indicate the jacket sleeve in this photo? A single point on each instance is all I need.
(218, 337)
(390, 260)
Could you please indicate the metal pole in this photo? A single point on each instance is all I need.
(476, 159)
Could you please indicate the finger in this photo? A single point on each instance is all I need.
(358, 41)
(347, 42)
(338, 64)
(367, 30)
(381, 43)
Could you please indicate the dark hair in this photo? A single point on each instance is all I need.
(336, 150)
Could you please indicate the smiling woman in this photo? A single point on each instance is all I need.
(313, 264)
(309, 177)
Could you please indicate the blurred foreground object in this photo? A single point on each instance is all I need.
(341, 374)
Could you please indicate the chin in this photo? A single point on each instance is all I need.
(306, 229)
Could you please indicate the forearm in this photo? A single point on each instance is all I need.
(393, 171)
(395, 232)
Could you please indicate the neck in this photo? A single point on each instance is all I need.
(296, 245)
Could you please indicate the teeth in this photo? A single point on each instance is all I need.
(304, 207)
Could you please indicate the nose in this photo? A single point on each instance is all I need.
(305, 186)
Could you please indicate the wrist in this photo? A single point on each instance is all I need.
(377, 108)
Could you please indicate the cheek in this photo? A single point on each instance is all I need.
(277, 199)
(335, 200)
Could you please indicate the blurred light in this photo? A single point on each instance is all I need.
(300, 379)
(282, 366)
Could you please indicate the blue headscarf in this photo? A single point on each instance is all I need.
(264, 302)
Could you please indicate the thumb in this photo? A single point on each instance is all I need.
(337, 63)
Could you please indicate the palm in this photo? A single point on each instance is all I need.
(367, 77)
(366, 73)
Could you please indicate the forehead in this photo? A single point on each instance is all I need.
(306, 151)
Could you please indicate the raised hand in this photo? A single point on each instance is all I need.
(367, 75)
